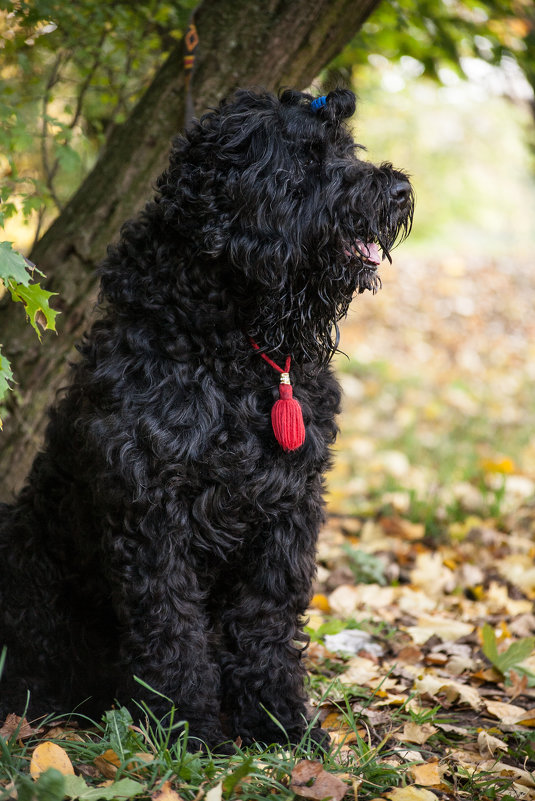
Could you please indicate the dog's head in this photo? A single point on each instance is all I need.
(270, 193)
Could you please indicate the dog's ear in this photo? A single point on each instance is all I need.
(340, 104)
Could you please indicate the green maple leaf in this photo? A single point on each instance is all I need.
(14, 267)
(35, 300)
(6, 379)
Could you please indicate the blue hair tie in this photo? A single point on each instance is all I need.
(318, 103)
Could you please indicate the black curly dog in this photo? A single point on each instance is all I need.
(164, 533)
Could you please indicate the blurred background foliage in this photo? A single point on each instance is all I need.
(439, 408)
(70, 73)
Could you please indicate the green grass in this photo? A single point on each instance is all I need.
(259, 772)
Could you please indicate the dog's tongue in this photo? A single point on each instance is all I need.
(369, 251)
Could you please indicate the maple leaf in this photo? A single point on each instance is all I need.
(35, 300)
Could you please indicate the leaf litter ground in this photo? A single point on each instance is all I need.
(422, 659)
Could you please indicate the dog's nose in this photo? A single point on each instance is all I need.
(400, 192)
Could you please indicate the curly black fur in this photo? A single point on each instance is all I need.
(163, 533)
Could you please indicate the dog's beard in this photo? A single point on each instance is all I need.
(368, 279)
(302, 320)
(299, 315)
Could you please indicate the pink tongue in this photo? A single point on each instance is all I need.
(370, 251)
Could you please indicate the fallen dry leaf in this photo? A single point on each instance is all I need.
(320, 601)
(427, 774)
(519, 775)
(215, 793)
(410, 794)
(309, 780)
(12, 723)
(107, 763)
(49, 755)
(488, 744)
(166, 793)
(443, 627)
(519, 685)
(435, 685)
(62, 733)
(417, 732)
(361, 671)
(509, 713)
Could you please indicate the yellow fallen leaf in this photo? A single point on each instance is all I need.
(518, 569)
(418, 732)
(319, 601)
(427, 773)
(459, 531)
(334, 720)
(410, 794)
(498, 601)
(507, 713)
(361, 671)
(446, 628)
(433, 685)
(498, 465)
(431, 575)
(490, 675)
(49, 755)
(397, 699)
(346, 598)
(314, 622)
(107, 763)
(528, 719)
(346, 736)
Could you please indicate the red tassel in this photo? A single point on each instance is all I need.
(287, 418)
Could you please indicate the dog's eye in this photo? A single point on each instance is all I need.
(309, 156)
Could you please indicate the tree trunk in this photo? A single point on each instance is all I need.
(268, 43)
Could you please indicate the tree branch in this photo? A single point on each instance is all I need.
(50, 171)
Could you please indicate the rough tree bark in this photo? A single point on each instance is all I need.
(268, 43)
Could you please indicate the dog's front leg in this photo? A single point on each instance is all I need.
(263, 671)
(164, 629)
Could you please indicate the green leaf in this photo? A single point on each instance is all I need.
(35, 300)
(50, 786)
(124, 788)
(25, 788)
(230, 781)
(516, 653)
(490, 648)
(13, 265)
(118, 722)
(68, 158)
(75, 786)
(6, 379)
